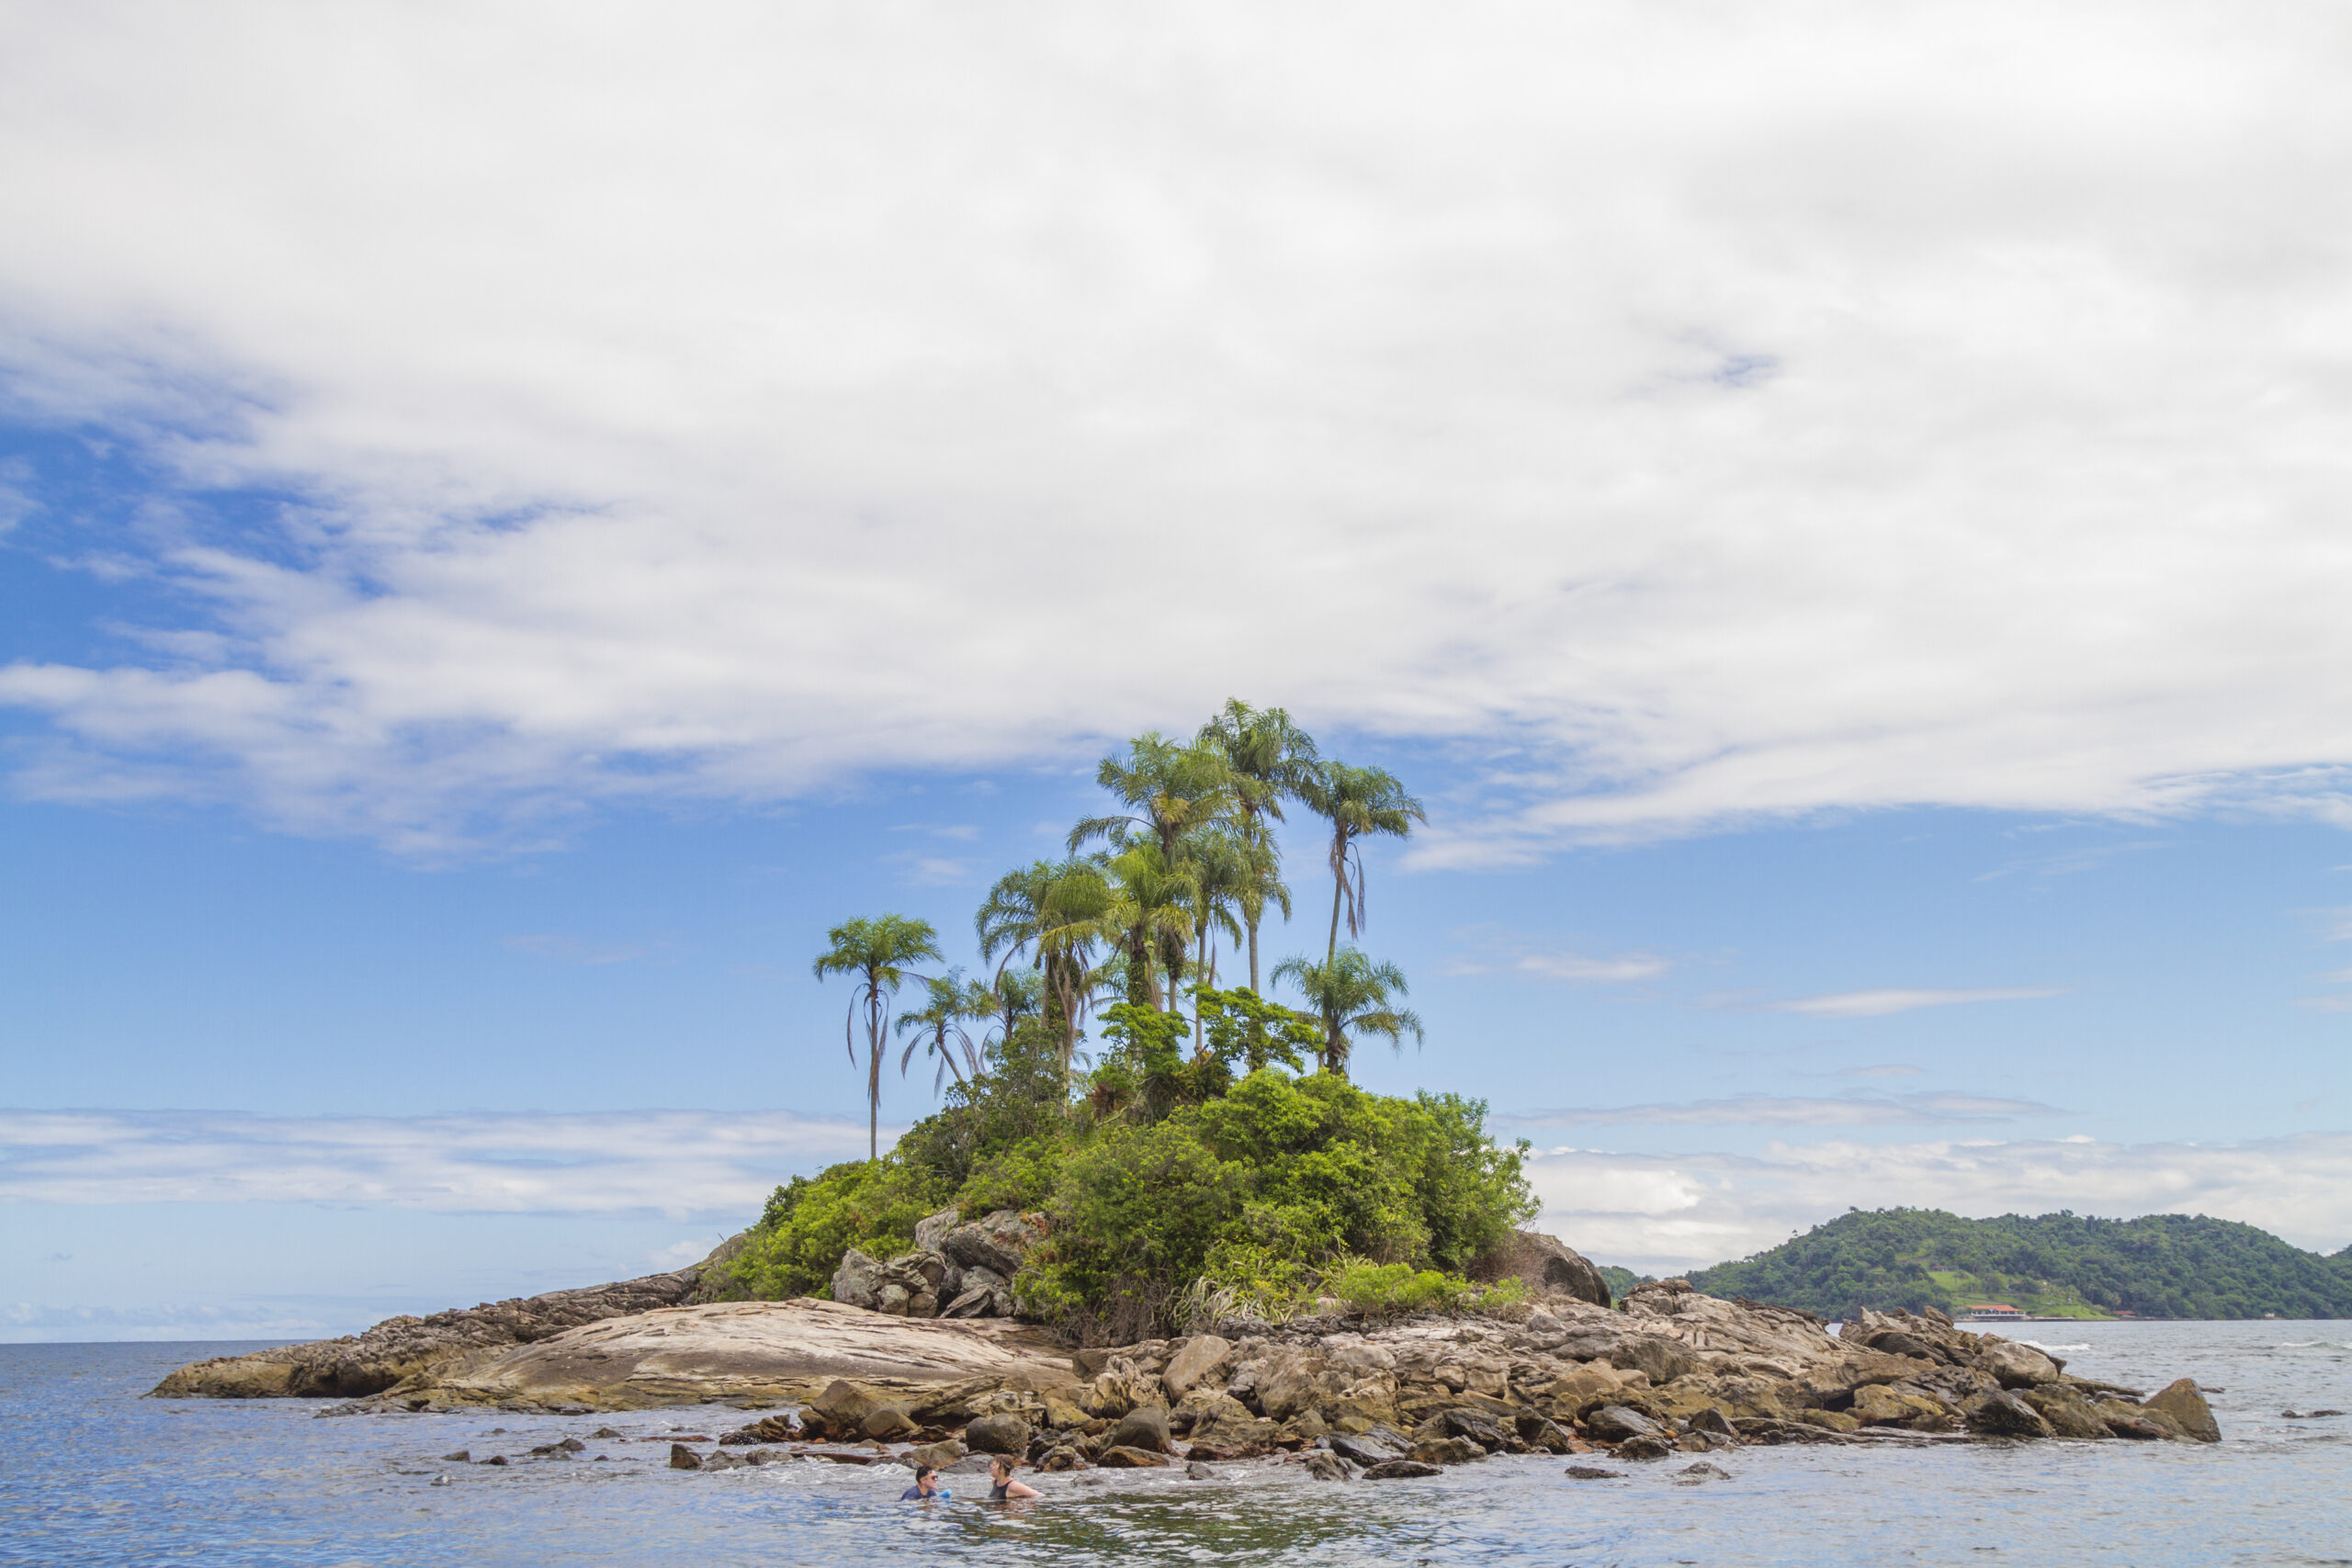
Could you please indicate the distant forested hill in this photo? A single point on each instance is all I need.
(2055, 1265)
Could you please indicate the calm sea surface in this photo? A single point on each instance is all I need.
(91, 1474)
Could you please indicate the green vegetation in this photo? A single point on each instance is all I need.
(1620, 1281)
(1183, 1157)
(2061, 1265)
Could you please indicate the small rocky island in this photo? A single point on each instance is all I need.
(919, 1358)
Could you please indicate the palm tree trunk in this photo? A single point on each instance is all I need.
(1338, 886)
(1200, 979)
(874, 1077)
(1253, 955)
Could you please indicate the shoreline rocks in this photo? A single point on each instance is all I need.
(1673, 1372)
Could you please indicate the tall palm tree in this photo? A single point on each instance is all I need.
(1170, 789)
(877, 952)
(1351, 995)
(1271, 760)
(938, 1026)
(1356, 802)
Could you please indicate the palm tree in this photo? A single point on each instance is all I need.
(949, 1000)
(1060, 912)
(1271, 760)
(1016, 994)
(1169, 790)
(1150, 916)
(1351, 994)
(877, 951)
(1222, 870)
(1356, 801)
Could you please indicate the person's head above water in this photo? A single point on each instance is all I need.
(926, 1482)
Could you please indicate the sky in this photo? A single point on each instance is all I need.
(514, 519)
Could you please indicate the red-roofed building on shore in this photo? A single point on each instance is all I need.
(1991, 1312)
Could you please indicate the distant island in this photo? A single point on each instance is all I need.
(2062, 1265)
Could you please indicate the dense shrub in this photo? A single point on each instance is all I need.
(1388, 1288)
(811, 1221)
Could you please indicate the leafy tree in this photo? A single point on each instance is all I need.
(876, 953)
(1357, 801)
(1352, 996)
(1249, 1032)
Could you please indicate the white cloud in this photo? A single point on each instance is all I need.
(1625, 968)
(677, 1162)
(1791, 1111)
(1806, 409)
(1899, 998)
(1666, 1212)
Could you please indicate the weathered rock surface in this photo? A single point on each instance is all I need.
(997, 1242)
(1545, 1264)
(402, 1348)
(769, 1352)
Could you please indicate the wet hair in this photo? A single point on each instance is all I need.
(924, 1470)
(1002, 1461)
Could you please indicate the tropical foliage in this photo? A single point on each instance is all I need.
(2061, 1265)
(1189, 1142)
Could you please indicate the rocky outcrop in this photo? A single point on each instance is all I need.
(956, 1269)
(402, 1350)
(1545, 1265)
(1673, 1371)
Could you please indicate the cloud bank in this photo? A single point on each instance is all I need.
(681, 1164)
(1792, 410)
(1668, 1212)
(1889, 1000)
(1790, 1110)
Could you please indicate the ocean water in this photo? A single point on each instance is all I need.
(92, 1473)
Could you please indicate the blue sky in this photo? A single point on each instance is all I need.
(486, 579)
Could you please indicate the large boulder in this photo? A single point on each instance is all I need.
(1202, 1356)
(2068, 1413)
(2184, 1403)
(1544, 1264)
(984, 1293)
(840, 1412)
(2015, 1366)
(930, 1232)
(1901, 1404)
(2002, 1414)
(1616, 1422)
(997, 1242)
(858, 1281)
(997, 1435)
(1145, 1428)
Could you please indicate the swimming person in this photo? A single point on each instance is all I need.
(1002, 1488)
(927, 1488)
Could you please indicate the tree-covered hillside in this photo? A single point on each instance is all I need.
(2058, 1264)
